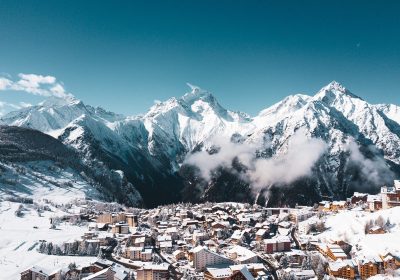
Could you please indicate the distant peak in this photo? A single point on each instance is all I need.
(334, 90)
(194, 89)
(336, 86)
(197, 93)
(59, 101)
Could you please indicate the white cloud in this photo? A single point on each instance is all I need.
(299, 159)
(5, 83)
(227, 152)
(36, 85)
(302, 154)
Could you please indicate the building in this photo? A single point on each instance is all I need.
(376, 230)
(261, 234)
(304, 227)
(105, 274)
(179, 255)
(390, 261)
(162, 239)
(111, 218)
(279, 244)
(237, 236)
(345, 269)
(242, 255)
(335, 252)
(203, 257)
(296, 257)
(297, 215)
(217, 273)
(199, 236)
(140, 241)
(324, 206)
(228, 274)
(173, 232)
(242, 274)
(374, 202)
(391, 195)
(367, 267)
(166, 246)
(38, 273)
(358, 198)
(338, 205)
(303, 274)
(132, 220)
(140, 254)
(120, 228)
(332, 205)
(153, 272)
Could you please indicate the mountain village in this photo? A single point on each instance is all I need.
(117, 164)
(212, 241)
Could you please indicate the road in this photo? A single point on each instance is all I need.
(270, 265)
(174, 274)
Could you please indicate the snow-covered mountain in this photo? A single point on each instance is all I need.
(35, 165)
(150, 150)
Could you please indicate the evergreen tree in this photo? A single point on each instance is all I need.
(306, 264)
(320, 271)
(49, 248)
(284, 261)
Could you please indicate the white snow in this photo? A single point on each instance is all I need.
(178, 125)
(43, 180)
(349, 226)
(18, 239)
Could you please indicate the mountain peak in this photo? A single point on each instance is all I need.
(54, 101)
(197, 93)
(194, 89)
(334, 85)
(333, 91)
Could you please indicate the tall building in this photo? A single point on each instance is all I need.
(203, 257)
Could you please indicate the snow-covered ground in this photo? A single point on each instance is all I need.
(19, 238)
(350, 227)
(43, 180)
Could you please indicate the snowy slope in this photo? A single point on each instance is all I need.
(21, 235)
(350, 227)
(33, 164)
(178, 126)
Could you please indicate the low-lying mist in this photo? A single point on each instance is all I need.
(301, 154)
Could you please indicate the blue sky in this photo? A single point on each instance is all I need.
(123, 55)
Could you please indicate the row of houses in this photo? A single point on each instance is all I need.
(364, 266)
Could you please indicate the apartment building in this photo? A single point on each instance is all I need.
(203, 257)
(153, 272)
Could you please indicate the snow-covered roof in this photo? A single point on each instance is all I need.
(278, 239)
(335, 266)
(96, 275)
(198, 249)
(220, 272)
(44, 270)
(243, 253)
(246, 273)
(261, 231)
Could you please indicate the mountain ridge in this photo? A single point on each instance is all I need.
(152, 149)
